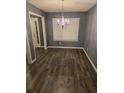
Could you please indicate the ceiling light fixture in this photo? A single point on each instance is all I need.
(62, 21)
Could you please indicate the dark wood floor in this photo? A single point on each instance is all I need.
(61, 71)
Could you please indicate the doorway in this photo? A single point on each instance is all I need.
(35, 31)
(38, 30)
(38, 34)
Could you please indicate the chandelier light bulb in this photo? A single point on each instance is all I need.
(63, 21)
(58, 20)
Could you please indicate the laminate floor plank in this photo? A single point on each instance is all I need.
(61, 71)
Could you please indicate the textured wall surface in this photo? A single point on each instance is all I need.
(31, 8)
(82, 28)
(90, 43)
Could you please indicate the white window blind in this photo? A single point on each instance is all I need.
(68, 33)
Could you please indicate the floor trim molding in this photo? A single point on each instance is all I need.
(39, 46)
(77, 48)
(33, 61)
(90, 61)
(65, 47)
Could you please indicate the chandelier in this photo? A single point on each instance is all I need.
(62, 21)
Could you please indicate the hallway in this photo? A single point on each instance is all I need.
(61, 71)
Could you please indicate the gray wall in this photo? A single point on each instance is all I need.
(90, 43)
(31, 8)
(87, 30)
(82, 28)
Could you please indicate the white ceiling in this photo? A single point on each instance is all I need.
(69, 5)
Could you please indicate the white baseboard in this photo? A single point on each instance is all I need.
(40, 47)
(77, 48)
(33, 61)
(65, 47)
(90, 60)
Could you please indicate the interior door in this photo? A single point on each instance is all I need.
(35, 31)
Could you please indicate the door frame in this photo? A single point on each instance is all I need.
(28, 51)
(43, 26)
(37, 24)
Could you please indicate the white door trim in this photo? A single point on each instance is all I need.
(43, 26)
(37, 25)
(28, 51)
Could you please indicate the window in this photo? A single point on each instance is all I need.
(68, 33)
